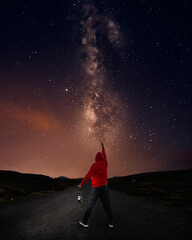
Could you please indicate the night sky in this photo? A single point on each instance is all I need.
(74, 73)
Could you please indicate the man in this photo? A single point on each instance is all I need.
(98, 172)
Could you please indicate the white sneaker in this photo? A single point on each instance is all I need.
(84, 225)
(110, 225)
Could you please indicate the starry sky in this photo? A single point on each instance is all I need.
(76, 72)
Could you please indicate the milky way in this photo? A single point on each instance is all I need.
(103, 109)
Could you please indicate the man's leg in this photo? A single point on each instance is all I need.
(104, 196)
(93, 198)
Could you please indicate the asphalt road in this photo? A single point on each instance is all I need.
(56, 215)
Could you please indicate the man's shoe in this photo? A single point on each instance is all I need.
(83, 224)
(111, 225)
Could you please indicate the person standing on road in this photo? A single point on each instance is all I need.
(98, 172)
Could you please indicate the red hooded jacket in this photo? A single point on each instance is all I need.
(98, 170)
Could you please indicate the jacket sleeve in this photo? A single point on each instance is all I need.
(88, 175)
(103, 152)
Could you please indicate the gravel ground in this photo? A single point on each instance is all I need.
(56, 215)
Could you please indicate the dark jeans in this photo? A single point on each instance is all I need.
(101, 192)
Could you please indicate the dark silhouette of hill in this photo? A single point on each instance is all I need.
(62, 177)
(170, 187)
(14, 185)
(14, 174)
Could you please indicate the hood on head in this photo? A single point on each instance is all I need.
(99, 156)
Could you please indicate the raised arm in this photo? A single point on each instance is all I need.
(103, 151)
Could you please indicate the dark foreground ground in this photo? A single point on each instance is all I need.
(55, 215)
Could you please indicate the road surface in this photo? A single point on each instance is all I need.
(55, 216)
